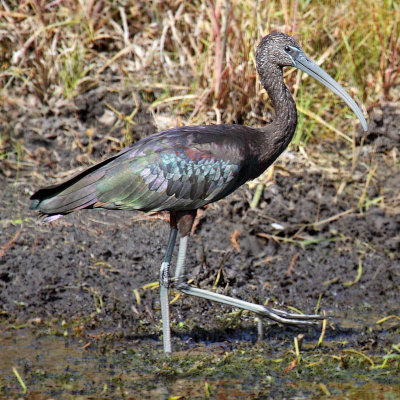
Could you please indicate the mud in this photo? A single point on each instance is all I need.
(325, 229)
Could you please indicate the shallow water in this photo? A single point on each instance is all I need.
(52, 366)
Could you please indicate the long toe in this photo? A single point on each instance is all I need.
(292, 319)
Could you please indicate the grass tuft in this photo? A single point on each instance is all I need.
(205, 50)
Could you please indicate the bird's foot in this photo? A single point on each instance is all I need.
(277, 315)
(290, 318)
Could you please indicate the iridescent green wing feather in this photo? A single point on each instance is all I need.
(170, 178)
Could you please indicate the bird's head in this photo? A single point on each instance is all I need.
(278, 50)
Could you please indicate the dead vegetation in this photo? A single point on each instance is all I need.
(194, 60)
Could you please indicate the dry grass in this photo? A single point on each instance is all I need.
(171, 49)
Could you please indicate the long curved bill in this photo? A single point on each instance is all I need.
(302, 62)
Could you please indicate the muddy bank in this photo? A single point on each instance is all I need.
(325, 231)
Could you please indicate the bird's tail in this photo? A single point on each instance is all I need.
(74, 194)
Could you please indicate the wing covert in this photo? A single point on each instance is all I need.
(168, 179)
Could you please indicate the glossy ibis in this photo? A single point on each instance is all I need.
(182, 169)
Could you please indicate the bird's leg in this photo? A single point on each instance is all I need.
(274, 314)
(260, 330)
(277, 315)
(164, 284)
(180, 263)
(184, 223)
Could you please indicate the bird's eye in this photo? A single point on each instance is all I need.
(287, 49)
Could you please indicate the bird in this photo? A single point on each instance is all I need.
(182, 169)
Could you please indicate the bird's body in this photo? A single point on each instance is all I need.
(182, 169)
(175, 170)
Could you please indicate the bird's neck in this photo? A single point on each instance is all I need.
(279, 133)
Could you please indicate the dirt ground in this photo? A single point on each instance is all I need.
(323, 229)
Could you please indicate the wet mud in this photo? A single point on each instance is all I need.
(325, 234)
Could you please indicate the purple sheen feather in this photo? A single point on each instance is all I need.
(51, 218)
(87, 204)
(157, 182)
(163, 186)
(145, 173)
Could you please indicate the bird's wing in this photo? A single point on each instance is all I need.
(179, 169)
(169, 177)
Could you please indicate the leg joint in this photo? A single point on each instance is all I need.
(164, 274)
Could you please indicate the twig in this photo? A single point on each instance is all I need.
(6, 246)
(292, 262)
